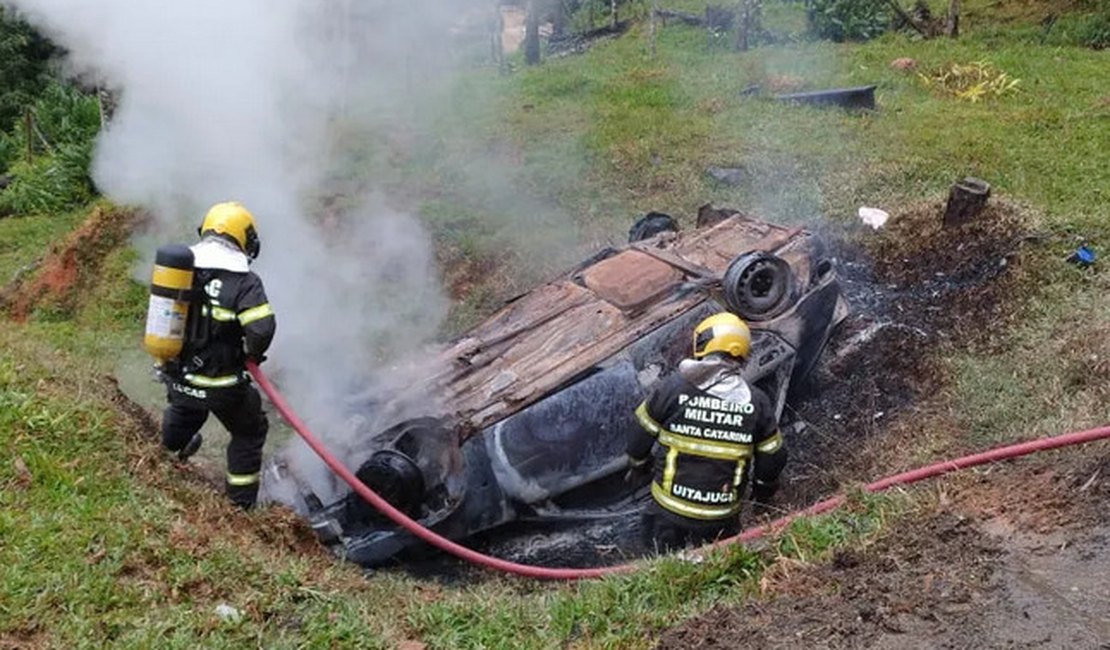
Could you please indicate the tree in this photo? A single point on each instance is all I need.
(25, 57)
(532, 33)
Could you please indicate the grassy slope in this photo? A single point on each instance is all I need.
(106, 542)
(26, 238)
(654, 123)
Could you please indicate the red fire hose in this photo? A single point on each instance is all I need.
(545, 573)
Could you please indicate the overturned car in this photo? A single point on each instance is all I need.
(535, 404)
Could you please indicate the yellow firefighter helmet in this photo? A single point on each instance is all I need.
(233, 221)
(723, 332)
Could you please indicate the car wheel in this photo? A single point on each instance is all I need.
(650, 225)
(759, 286)
(396, 478)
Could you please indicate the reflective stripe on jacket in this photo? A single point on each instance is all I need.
(707, 445)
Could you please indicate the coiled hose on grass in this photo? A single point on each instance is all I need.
(547, 573)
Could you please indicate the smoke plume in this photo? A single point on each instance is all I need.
(259, 101)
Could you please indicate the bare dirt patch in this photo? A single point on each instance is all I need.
(72, 267)
(1014, 557)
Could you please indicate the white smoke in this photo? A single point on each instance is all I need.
(251, 100)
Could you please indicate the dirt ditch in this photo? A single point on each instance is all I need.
(60, 280)
(1013, 558)
(916, 290)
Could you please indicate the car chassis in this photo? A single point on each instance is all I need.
(537, 401)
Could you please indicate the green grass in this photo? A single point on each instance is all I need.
(25, 239)
(1047, 379)
(94, 555)
(106, 543)
(656, 122)
(557, 160)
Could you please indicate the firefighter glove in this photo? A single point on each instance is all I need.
(763, 491)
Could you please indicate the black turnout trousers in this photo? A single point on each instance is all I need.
(239, 410)
(664, 532)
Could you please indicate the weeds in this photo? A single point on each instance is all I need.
(969, 81)
(1095, 31)
(65, 123)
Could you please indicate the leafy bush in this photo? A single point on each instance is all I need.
(65, 115)
(8, 152)
(51, 183)
(847, 20)
(66, 122)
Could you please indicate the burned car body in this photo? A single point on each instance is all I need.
(537, 401)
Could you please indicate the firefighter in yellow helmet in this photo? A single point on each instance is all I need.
(230, 321)
(711, 433)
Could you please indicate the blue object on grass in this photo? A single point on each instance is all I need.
(1083, 256)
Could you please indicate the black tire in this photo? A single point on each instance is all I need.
(759, 286)
(396, 478)
(650, 225)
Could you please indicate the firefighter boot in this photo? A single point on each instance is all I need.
(190, 447)
(242, 495)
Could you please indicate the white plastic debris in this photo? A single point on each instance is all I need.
(873, 217)
(689, 556)
(227, 613)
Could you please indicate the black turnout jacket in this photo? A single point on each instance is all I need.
(230, 318)
(712, 430)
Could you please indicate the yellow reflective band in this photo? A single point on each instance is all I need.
(248, 316)
(687, 509)
(212, 382)
(221, 314)
(770, 445)
(738, 478)
(242, 479)
(169, 277)
(708, 449)
(670, 468)
(646, 421)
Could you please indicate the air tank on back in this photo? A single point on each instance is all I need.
(170, 294)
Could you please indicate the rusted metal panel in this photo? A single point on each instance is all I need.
(539, 363)
(715, 248)
(630, 279)
(547, 336)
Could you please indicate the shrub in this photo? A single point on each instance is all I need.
(65, 115)
(847, 20)
(51, 184)
(8, 152)
(66, 123)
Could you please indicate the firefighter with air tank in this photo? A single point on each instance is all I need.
(208, 314)
(711, 433)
